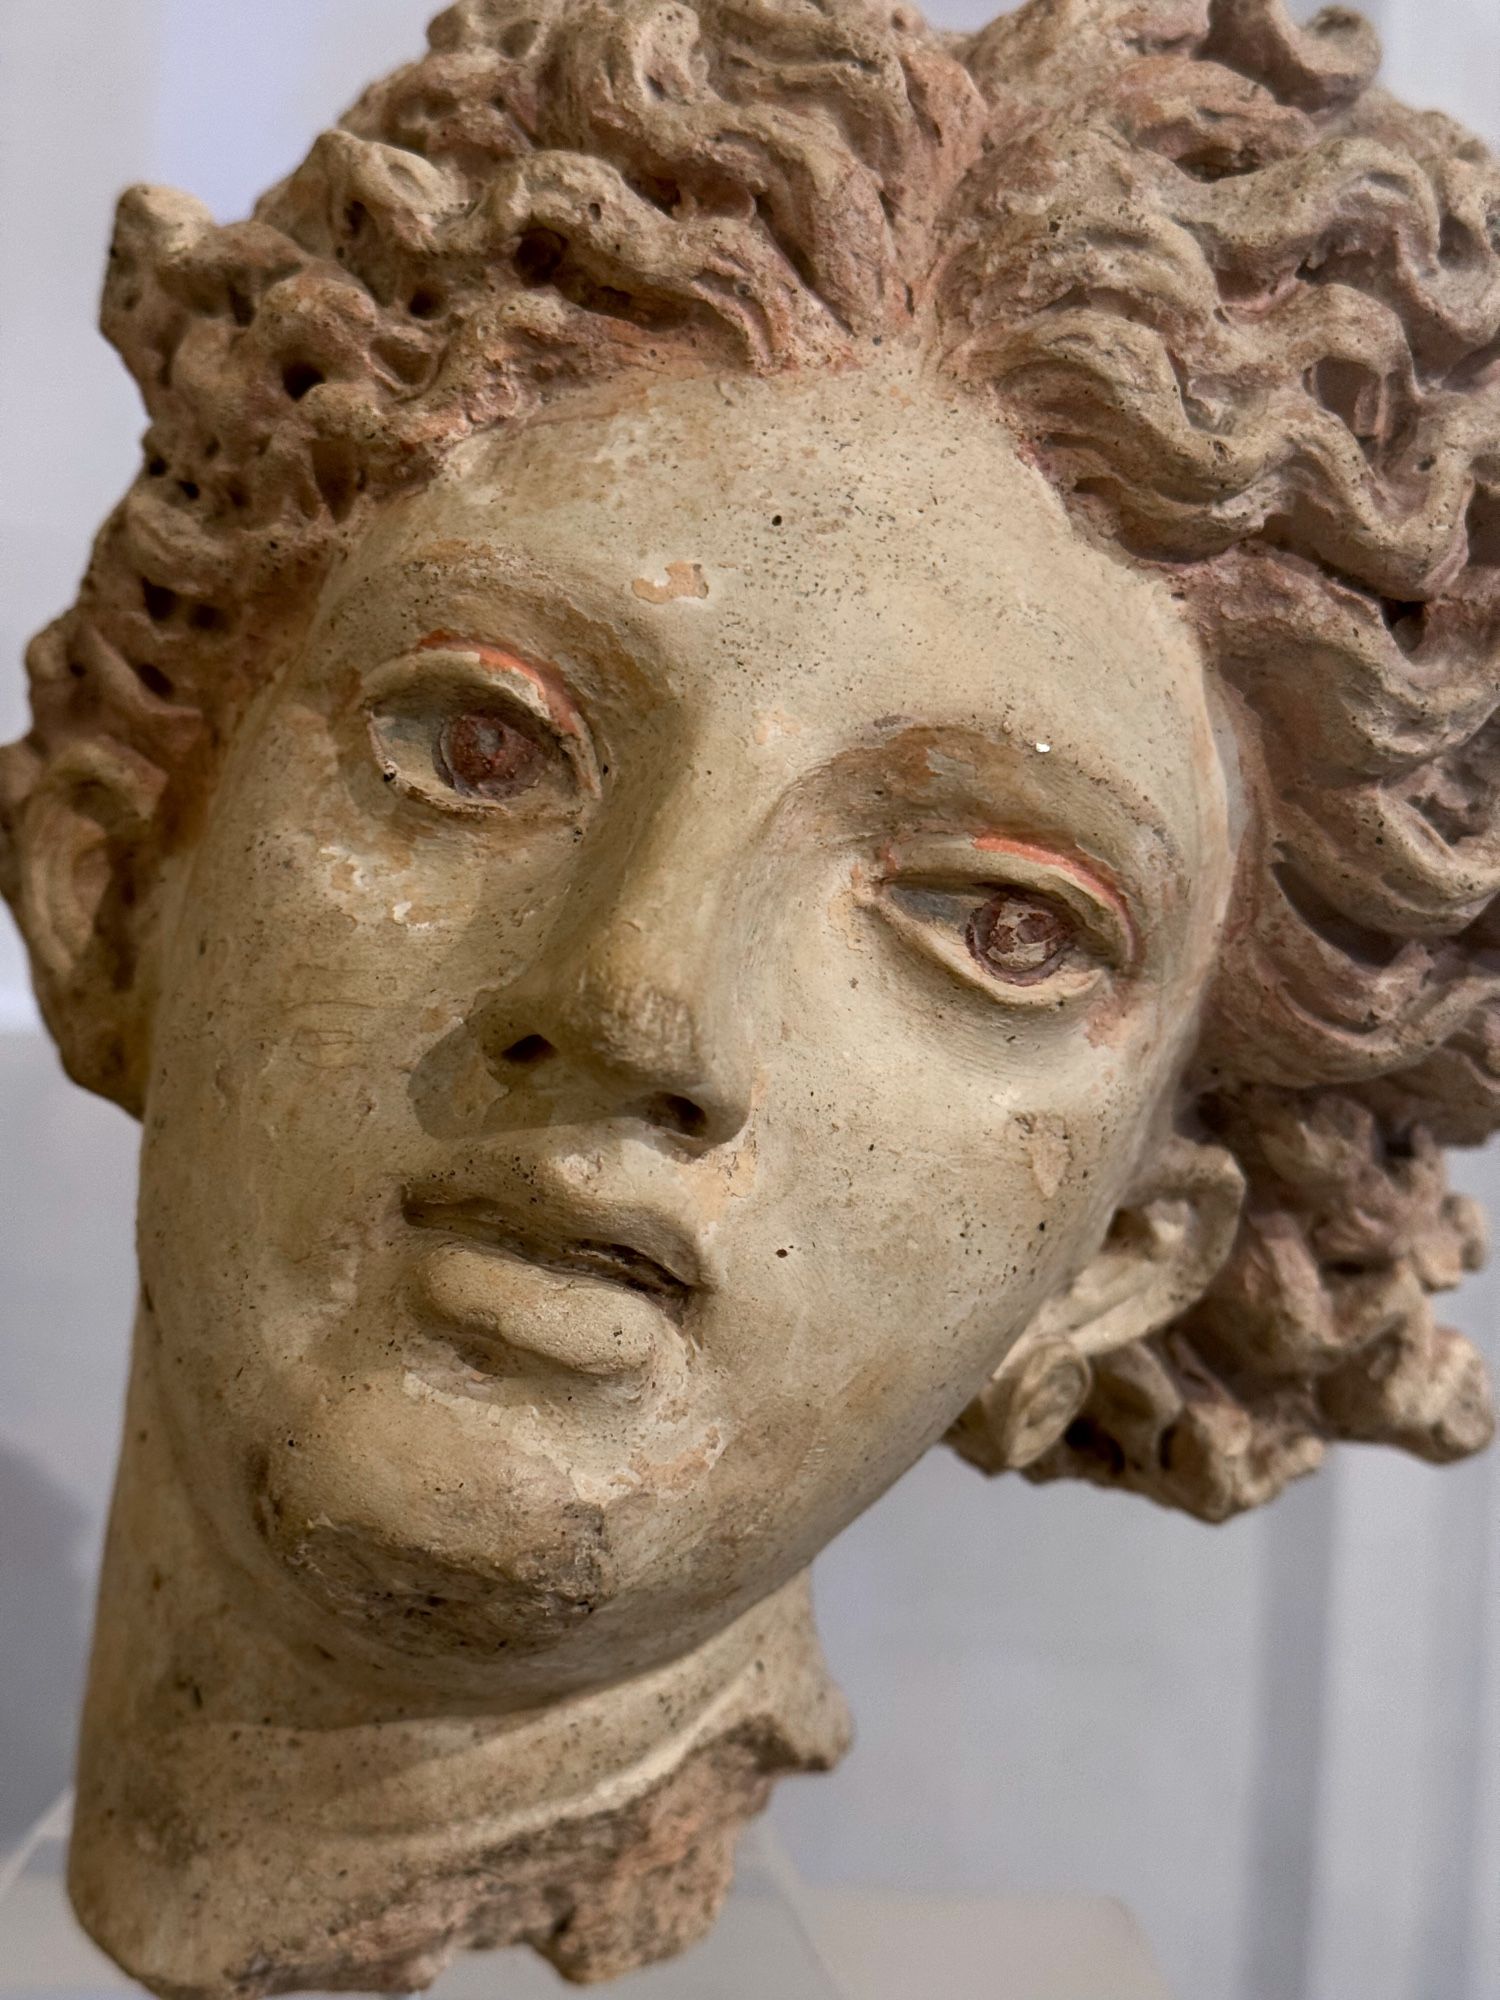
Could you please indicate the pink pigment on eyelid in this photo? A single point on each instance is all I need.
(502, 659)
(1030, 850)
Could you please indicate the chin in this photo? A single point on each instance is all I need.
(518, 1595)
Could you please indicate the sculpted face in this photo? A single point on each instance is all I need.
(682, 969)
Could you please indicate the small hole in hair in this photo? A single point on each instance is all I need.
(1085, 1437)
(241, 306)
(538, 255)
(1483, 525)
(425, 303)
(356, 215)
(188, 488)
(207, 618)
(156, 468)
(339, 475)
(663, 194)
(154, 679)
(160, 602)
(77, 669)
(299, 377)
(1405, 621)
(1455, 240)
(1348, 391)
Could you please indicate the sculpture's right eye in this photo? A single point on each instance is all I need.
(461, 756)
(474, 733)
(487, 757)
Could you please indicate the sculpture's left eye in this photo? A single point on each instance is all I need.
(484, 756)
(1042, 942)
(1020, 936)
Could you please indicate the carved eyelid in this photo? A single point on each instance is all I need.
(554, 704)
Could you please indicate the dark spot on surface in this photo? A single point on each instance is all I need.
(529, 1050)
(1086, 1437)
(155, 680)
(1405, 621)
(298, 378)
(676, 1114)
(538, 255)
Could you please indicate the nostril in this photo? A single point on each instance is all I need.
(677, 1114)
(530, 1049)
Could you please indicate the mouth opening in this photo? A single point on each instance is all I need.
(615, 1263)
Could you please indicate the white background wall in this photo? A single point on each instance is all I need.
(1279, 1741)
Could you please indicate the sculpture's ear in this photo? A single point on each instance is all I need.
(78, 871)
(1163, 1248)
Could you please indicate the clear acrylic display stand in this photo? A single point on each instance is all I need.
(759, 1947)
(777, 1939)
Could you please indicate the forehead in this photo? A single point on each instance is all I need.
(845, 550)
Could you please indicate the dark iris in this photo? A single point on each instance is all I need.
(1020, 937)
(485, 757)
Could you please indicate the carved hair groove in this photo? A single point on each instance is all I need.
(1240, 306)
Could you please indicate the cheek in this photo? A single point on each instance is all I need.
(960, 1217)
(941, 1174)
(359, 896)
(332, 951)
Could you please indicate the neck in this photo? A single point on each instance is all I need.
(248, 1824)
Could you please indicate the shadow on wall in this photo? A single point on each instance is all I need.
(45, 1538)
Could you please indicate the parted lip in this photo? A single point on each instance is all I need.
(635, 1247)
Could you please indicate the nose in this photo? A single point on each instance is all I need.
(636, 994)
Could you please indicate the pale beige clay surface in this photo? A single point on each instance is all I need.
(788, 750)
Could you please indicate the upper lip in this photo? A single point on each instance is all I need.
(636, 1247)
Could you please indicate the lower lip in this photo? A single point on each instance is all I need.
(587, 1325)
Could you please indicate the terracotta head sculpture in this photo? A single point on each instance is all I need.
(787, 750)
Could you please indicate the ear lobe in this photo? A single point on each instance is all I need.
(1163, 1248)
(87, 815)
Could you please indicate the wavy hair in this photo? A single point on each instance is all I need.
(1242, 308)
